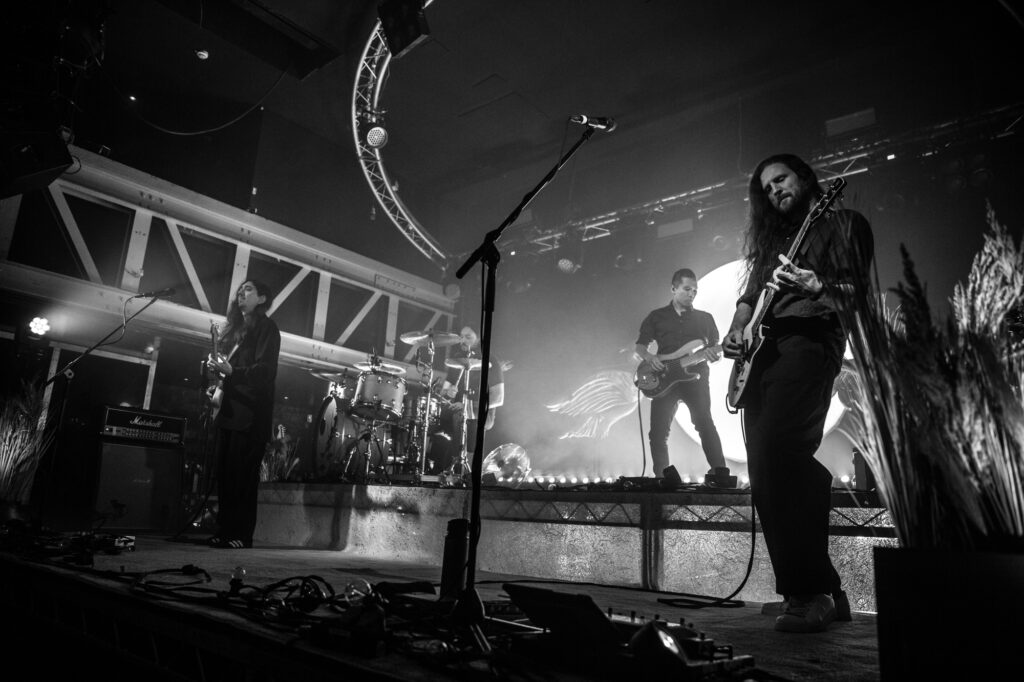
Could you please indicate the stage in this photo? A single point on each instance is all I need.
(167, 608)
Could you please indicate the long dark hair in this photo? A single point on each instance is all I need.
(236, 326)
(766, 227)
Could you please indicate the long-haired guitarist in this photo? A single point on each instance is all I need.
(682, 335)
(798, 355)
(244, 421)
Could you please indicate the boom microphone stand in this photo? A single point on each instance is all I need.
(469, 610)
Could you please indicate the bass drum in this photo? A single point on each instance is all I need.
(344, 443)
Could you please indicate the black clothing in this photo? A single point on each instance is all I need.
(787, 399)
(244, 424)
(837, 250)
(672, 330)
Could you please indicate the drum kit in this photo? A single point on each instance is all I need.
(373, 425)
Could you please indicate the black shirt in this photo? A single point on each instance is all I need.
(836, 249)
(672, 330)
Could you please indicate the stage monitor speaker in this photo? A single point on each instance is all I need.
(140, 487)
(30, 160)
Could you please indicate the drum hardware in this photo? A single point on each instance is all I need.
(378, 470)
(430, 340)
(459, 471)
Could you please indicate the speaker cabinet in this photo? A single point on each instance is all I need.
(140, 487)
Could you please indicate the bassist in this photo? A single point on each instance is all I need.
(670, 328)
(791, 375)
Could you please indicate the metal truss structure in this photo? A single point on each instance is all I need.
(849, 157)
(371, 75)
(343, 283)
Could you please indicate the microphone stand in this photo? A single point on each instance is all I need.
(469, 609)
(68, 375)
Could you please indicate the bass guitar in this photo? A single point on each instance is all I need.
(755, 331)
(653, 383)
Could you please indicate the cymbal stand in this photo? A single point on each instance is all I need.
(425, 426)
(462, 466)
(381, 468)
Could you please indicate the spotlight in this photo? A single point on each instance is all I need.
(377, 137)
(202, 55)
(39, 326)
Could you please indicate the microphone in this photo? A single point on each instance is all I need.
(596, 122)
(169, 291)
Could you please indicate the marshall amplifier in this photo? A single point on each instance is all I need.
(141, 470)
(143, 426)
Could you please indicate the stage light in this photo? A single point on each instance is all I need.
(567, 265)
(39, 326)
(202, 55)
(377, 137)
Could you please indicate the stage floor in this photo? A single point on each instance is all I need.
(86, 608)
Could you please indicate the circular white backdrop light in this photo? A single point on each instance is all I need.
(717, 294)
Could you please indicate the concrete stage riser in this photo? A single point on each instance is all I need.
(547, 537)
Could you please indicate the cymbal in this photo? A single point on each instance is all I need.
(441, 339)
(344, 377)
(464, 363)
(380, 367)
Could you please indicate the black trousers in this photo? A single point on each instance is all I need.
(696, 395)
(784, 421)
(239, 455)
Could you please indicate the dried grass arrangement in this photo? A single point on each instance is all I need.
(938, 410)
(23, 441)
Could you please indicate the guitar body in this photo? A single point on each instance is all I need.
(753, 338)
(215, 389)
(653, 383)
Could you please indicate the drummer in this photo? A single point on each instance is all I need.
(453, 393)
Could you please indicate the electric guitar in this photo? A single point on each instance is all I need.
(755, 331)
(653, 383)
(215, 390)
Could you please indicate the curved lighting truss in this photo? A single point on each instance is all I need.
(369, 82)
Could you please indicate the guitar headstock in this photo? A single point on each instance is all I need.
(824, 206)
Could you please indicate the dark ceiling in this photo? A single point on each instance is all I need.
(477, 113)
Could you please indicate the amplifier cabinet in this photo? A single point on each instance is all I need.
(140, 486)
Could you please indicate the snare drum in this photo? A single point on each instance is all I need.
(416, 411)
(379, 396)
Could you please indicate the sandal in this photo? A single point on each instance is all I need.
(215, 541)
